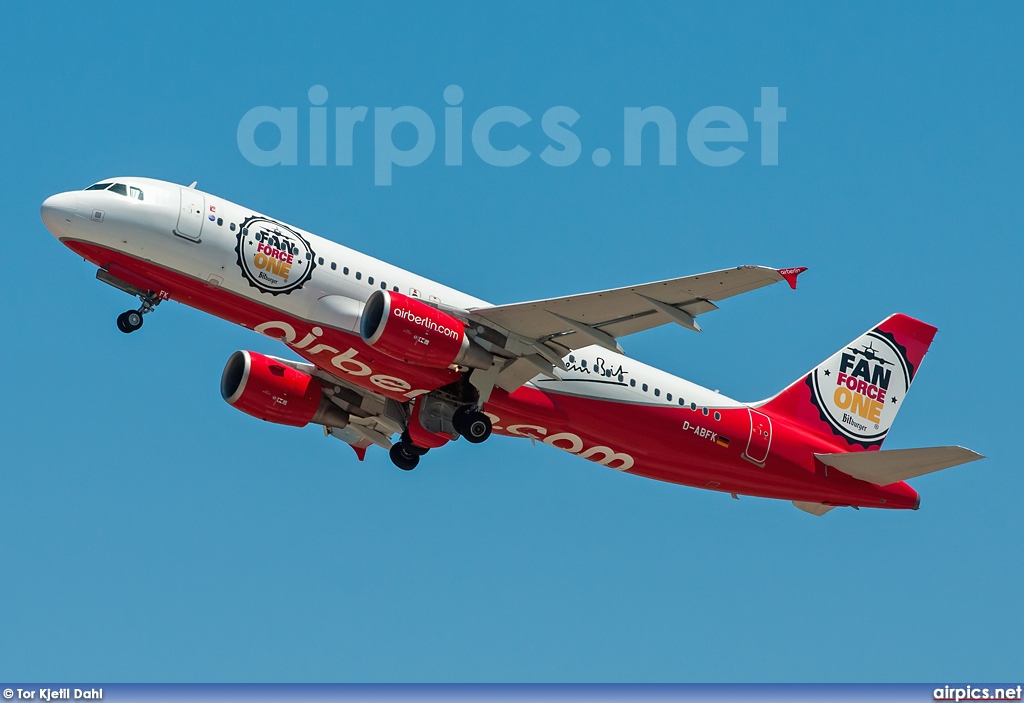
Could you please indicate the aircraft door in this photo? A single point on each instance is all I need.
(190, 218)
(760, 437)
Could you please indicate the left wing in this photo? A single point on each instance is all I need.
(541, 332)
(372, 418)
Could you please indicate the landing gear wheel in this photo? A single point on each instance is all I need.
(472, 424)
(412, 448)
(129, 321)
(403, 456)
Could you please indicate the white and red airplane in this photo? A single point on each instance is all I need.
(389, 353)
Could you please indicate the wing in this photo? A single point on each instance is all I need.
(539, 333)
(621, 311)
(373, 418)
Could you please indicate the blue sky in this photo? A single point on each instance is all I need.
(149, 532)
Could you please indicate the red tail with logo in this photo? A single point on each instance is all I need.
(855, 393)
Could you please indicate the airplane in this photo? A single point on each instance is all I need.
(868, 352)
(394, 360)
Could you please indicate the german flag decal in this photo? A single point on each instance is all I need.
(722, 441)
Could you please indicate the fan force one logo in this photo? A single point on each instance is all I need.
(273, 257)
(859, 389)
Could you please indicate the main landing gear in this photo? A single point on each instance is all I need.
(131, 320)
(406, 455)
(471, 424)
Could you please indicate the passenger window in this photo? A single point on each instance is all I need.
(395, 289)
(99, 186)
(220, 221)
(119, 188)
(334, 266)
(668, 397)
(693, 406)
(705, 411)
(370, 280)
(682, 401)
(137, 193)
(632, 383)
(657, 391)
(232, 226)
(718, 415)
(645, 388)
(572, 359)
(383, 285)
(359, 275)
(320, 260)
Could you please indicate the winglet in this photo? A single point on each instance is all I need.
(360, 452)
(791, 274)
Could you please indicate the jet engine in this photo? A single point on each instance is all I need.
(264, 387)
(408, 329)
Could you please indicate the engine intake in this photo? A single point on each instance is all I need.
(408, 329)
(264, 387)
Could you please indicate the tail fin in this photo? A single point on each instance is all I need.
(856, 393)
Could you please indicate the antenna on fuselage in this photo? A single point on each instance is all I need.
(193, 186)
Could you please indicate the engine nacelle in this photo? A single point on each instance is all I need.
(264, 387)
(408, 329)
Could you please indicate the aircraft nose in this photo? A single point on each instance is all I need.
(57, 212)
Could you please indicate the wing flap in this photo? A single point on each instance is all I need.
(891, 465)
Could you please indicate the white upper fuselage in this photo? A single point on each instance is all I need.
(196, 233)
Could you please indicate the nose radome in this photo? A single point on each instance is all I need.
(57, 211)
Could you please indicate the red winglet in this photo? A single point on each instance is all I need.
(791, 274)
(360, 452)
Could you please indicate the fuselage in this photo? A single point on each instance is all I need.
(605, 407)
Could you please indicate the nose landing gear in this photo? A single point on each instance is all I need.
(131, 320)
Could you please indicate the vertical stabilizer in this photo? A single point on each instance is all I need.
(856, 393)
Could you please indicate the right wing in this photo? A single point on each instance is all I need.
(621, 311)
(534, 336)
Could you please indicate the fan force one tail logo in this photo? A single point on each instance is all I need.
(273, 257)
(860, 388)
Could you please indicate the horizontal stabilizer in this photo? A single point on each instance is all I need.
(813, 508)
(889, 466)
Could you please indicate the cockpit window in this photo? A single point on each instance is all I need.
(119, 188)
(136, 193)
(99, 186)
